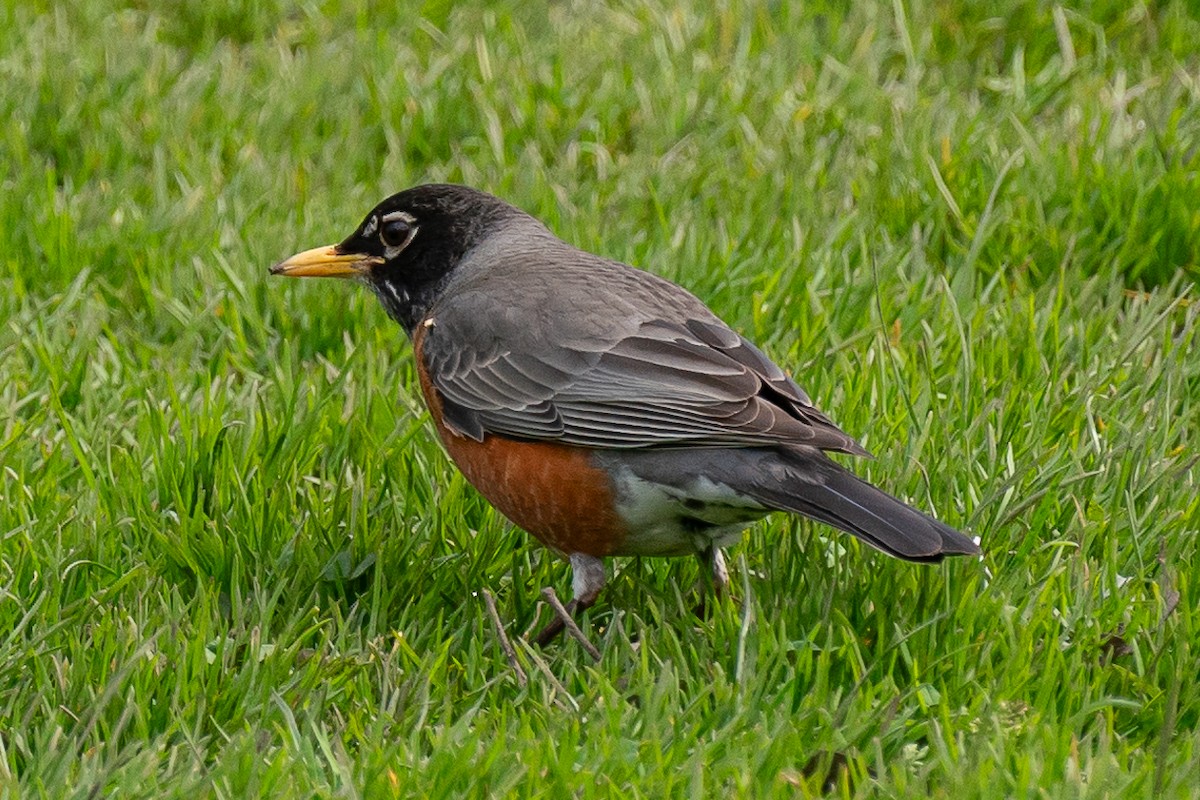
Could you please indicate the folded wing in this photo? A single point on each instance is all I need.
(652, 382)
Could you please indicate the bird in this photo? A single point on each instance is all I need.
(605, 410)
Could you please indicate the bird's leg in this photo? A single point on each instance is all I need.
(720, 572)
(587, 579)
(713, 560)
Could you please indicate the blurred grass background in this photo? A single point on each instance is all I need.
(234, 561)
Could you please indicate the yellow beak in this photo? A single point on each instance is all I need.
(326, 262)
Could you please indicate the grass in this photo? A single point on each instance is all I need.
(234, 561)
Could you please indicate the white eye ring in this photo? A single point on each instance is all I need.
(396, 230)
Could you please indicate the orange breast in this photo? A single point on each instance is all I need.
(551, 490)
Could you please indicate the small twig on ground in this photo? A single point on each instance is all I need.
(569, 623)
(544, 668)
(505, 644)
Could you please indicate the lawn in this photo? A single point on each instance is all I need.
(235, 562)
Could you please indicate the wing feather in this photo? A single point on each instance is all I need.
(646, 391)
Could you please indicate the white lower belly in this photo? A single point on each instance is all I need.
(676, 521)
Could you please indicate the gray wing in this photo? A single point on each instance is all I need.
(625, 378)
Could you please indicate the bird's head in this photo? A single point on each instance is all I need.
(407, 246)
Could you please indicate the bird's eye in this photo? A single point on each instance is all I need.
(396, 232)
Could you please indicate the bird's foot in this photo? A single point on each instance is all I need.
(564, 620)
(587, 578)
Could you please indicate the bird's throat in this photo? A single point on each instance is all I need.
(408, 305)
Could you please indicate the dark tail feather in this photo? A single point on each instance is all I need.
(825, 491)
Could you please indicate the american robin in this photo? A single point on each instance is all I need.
(602, 408)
